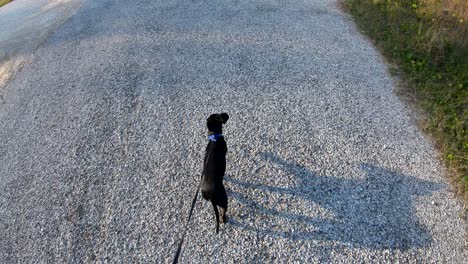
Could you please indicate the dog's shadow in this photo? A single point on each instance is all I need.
(376, 212)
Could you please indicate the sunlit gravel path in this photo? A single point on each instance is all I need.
(102, 138)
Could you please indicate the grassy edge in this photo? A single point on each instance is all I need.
(4, 2)
(407, 91)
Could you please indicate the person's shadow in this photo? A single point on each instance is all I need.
(375, 212)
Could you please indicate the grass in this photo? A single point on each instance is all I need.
(4, 2)
(428, 41)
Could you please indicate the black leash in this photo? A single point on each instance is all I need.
(179, 248)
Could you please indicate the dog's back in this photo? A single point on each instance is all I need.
(214, 169)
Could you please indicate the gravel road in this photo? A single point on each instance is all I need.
(102, 137)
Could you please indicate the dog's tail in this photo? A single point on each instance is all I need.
(215, 207)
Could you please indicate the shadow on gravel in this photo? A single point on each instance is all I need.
(375, 212)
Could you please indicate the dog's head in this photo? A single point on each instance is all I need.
(215, 122)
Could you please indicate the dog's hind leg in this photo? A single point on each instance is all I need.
(224, 208)
(224, 215)
(215, 207)
(222, 201)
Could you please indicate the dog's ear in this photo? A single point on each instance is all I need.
(224, 117)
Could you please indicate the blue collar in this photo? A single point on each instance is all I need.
(214, 137)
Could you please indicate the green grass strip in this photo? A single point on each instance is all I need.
(430, 48)
(4, 2)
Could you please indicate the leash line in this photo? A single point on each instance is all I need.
(179, 248)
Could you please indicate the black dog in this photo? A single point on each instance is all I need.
(212, 187)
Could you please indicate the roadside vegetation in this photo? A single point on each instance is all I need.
(4, 2)
(428, 41)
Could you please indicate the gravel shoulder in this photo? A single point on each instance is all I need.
(102, 137)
